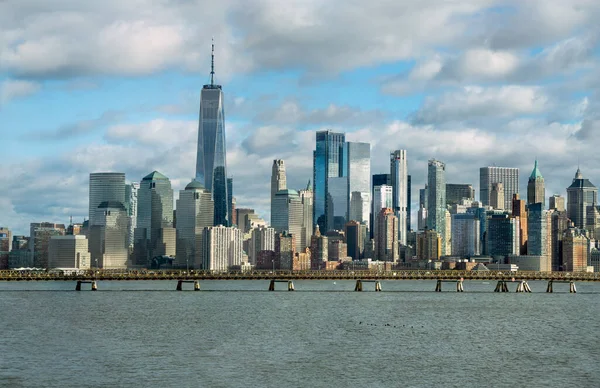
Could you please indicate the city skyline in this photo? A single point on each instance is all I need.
(109, 117)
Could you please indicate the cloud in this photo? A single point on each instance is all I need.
(75, 129)
(590, 129)
(492, 67)
(12, 89)
(472, 102)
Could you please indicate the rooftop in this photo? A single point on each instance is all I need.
(154, 175)
(535, 174)
(194, 185)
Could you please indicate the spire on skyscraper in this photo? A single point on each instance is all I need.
(212, 63)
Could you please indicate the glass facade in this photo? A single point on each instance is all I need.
(327, 163)
(436, 201)
(359, 169)
(337, 207)
(399, 174)
(105, 186)
(211, 166)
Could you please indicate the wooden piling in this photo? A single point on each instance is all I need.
(572, 288)
(272, 285)
(179, 285)
(290, 286)
(94, 286)
(358, 286)
(196, 285)
(377, 286)
(549, 287)
(78, 286)
(438, 286)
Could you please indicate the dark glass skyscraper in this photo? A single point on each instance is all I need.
(328, 162)
(211, 163)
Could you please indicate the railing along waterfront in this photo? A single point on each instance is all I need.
(19, 275)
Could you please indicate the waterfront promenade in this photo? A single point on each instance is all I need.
(16, 275)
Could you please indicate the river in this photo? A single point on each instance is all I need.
(237, 334)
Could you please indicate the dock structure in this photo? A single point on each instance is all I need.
(359, 284)
(399, 274)
(290, 284)
(572, 287)
(181, 281)
(92, 282)
(459, 284)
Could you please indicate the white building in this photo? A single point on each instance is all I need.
(222, 247)
(195, 211)
(465, 235)
(307, 197)
(68, 252)
(131, 201)
(382, 198)
(262, 239)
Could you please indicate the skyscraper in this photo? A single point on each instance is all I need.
(581, 194)
(502, 236)
(39, 241)
(195, 209)
(360, 208)
(211, 161)
(354, 240)
(436, 201)
(536, 192)
(377, 180)
(557, 202)
(69, 251)
(105, 186)
(539, 231)
(278, 181)
(221, 248)
(465, 239)
(154, 234)
(262, 239)
(399, 173)
(306, 197)
(386, 236)
(508, 176)
(497, 196)
(327, 163)
(288, 215)
(519, 210)
(359, 172)
(382, 198)
(131, 193)
(230, 202)
(109, 236)
(457, 192)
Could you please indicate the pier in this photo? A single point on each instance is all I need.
(443, 275)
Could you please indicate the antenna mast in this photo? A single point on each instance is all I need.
(212, 63)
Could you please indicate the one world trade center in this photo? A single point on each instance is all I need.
(211, 165)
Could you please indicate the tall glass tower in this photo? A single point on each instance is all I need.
(399, 173)
(211, 164)
(328, 162)
(436, 201)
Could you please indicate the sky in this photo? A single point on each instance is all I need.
(91, 86)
